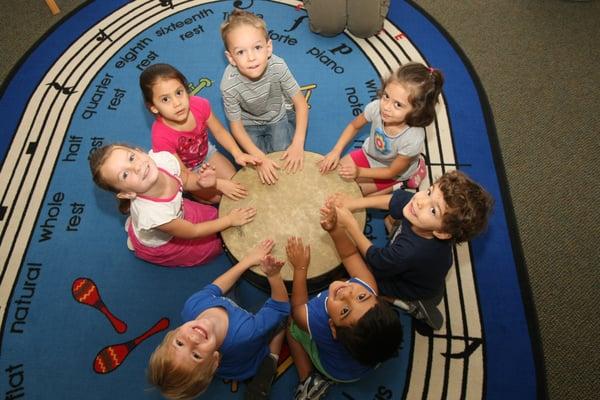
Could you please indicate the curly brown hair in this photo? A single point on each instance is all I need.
(468, 206)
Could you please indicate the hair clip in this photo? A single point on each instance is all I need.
(430, 69)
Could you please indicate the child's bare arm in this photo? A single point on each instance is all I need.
(347, 221)
(272, 268)
(226, 140)
(353, 262)
(397, 167)
(381, 202)
(332, 159)
(299, 257)
(231, 276)
(294, 155)
(183, 229)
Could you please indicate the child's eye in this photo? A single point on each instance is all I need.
(345, 311)
(361, 296)
(179, 343)
(164, 99)
(385, 96)
(433, 211)
(397, 105)
(239, 52)
(197, 356)
(258, 47)
(131, 157)
(179, 92)
(125, 175)
(428, 191)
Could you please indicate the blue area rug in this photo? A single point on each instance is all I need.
(80, 314)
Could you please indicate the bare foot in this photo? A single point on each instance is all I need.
(328, 216)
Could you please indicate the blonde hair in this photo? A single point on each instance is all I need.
(239, 18)
(173, 381)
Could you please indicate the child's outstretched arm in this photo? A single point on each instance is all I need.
(352, 260)
(226, 140)
(332, 159)
(397, 167)
(299, 257)
(381, 202)
(346, 220)
(294, 155)
(183, 229)
(272, 269)
(231, 276)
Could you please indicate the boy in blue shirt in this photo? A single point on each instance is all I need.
(346, 330)
(220, 338)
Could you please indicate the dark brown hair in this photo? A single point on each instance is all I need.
(468, 206)
(375, 337)
(153, 73)
(425, 85)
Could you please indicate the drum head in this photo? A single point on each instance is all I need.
(290, 207)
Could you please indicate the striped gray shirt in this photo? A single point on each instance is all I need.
(261, 102)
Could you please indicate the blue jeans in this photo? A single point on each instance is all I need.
(274, 137)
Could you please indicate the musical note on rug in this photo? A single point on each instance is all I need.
(238, 4)
(102, 36)
(61, 88)
(473, 342)
(111, 357)
(202, 83)
(167, 3)
(297, 22)
(307, 89)
(86, 292)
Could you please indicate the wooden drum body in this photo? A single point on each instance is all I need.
(290, 207)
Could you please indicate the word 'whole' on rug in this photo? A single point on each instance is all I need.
(80, 314)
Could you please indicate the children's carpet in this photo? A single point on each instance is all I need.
(80, 314)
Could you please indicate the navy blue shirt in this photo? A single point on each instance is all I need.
(409, 267)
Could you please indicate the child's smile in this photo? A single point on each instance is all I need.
(130, 170)
(425, 212)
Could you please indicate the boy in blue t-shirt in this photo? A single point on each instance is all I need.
(346, 330)
(220, 338)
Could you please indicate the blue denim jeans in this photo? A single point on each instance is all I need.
(274, 137)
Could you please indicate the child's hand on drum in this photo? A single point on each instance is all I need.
(340, 200)
(345, 217)
(329, 162)
(260, 251)
(267, 171)
(270, 265)
(243, 159)
(241, 216)
(231, 189)
(294, 158)
(207, 176)
(348, 171)
(298, 255)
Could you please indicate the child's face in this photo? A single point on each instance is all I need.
(395, 104)
(348, 302)
(249, 51)
(194, 343)
(425, 212)
(130, 171)
(171, 101)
